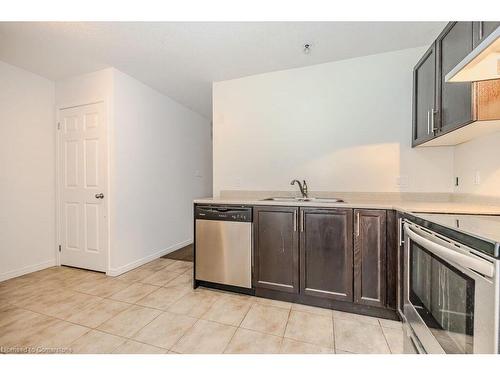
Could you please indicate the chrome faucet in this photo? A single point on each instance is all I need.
(302, 187)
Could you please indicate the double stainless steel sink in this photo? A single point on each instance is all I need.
(300, 199)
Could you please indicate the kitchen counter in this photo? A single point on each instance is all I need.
(451, 207)
(278, 243)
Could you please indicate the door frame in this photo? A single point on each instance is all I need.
(58, 174)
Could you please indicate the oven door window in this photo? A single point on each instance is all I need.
(444, 298)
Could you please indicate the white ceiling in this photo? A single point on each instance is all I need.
(183, 59)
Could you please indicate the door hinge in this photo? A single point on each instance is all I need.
(59, 248)
(58, 126)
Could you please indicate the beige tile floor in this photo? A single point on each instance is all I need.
(153, 309)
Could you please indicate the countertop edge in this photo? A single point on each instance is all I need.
(408, 207)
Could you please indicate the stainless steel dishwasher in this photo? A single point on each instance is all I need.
(223, 240)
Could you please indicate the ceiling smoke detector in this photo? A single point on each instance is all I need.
(306, 48)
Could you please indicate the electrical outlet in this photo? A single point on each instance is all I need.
(477, 178)
(402, 181)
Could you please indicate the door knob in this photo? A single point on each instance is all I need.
(99, 196)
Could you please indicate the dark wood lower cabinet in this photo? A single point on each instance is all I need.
(340, 258)
(276, 248)
(326, 253)
(370, 257)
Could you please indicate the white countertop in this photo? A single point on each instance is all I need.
(403, 206)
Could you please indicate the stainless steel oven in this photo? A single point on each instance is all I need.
(451, 295)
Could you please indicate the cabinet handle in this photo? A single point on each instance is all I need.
(301, 220)
(357, 224)
(295, 221)
(433, 129)
(480, 30)
(428, 123)
(401, 232)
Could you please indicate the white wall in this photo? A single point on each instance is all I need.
(27, 172)
(480, 155)
(84, 89)
(343, 126)
(159, 148)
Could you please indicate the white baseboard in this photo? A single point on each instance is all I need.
(130, 266)
(27, 269)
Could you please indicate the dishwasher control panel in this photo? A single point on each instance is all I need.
(224, 213)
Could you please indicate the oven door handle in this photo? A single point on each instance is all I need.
(467, 261)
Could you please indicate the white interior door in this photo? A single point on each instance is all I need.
(83, 187)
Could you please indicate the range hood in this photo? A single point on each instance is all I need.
(483, 63)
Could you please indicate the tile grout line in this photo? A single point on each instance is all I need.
(237, 328)
(156, 308)
(385, 338)
(125, 337)
(308, 343)
(229, 341)
(144, 343)
(188, 330)
(334, 338)
(128, 307)
(133, 338)
(61, 320)
(135, 302)
(284, 331)
(330, 346)
(184, 334)
(86, 333)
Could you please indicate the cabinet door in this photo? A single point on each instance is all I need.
(455, 98)
(370, 257)
(326, 253)
(276, 248)
(481, 29)
(424, 88)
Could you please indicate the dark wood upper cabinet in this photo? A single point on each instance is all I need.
(276, 248)
(481, 29)
(370, 257)
(424, 100)
(441, 107)
(454, 98)
(326, 253)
